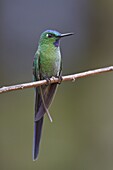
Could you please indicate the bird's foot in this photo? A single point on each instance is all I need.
(48, 81)
(59, 79)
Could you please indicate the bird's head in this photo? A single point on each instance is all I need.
(52, 37)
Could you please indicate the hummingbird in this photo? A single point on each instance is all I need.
(47, 63)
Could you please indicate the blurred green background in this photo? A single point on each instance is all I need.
(81, 135)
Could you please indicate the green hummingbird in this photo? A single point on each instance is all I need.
(47, 63)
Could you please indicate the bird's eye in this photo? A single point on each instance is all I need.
(49, 35)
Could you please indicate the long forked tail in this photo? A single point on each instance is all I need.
(40, 109)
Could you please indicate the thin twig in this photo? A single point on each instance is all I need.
(55, 80)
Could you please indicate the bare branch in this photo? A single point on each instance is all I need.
(55, 80)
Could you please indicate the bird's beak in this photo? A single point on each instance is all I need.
(66, 34)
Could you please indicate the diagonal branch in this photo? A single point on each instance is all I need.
(55, 80)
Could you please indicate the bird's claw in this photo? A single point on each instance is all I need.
(59, 79)
(48, 81)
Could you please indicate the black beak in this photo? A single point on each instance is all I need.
(66, 34)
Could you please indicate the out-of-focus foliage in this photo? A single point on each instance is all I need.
(81, 135)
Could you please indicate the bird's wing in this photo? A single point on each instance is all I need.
(36, 66)
(37, 124)
(36, 74)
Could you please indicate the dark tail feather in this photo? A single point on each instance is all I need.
(37, 136)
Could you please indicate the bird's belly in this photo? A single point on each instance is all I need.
(51, 66)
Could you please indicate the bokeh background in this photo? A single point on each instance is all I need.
(81, 135)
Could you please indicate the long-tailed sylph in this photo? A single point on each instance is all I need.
(47, 63)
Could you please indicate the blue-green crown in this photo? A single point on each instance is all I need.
(54, 32)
